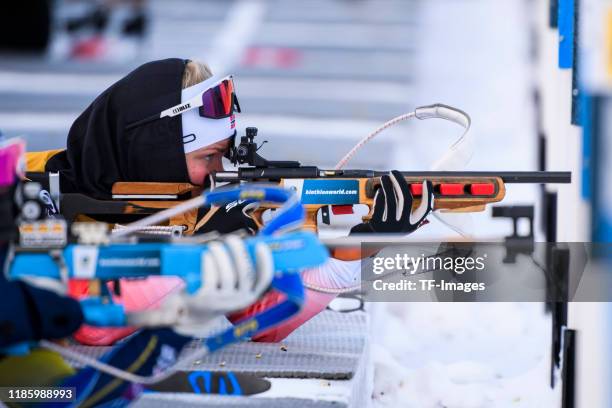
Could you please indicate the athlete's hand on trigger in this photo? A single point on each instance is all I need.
(392, 211)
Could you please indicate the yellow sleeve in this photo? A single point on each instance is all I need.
(36, 161)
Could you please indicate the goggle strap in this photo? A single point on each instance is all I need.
(142, 121)
(193, 103)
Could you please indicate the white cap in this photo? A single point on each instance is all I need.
(199, 132)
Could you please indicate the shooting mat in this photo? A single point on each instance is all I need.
(329, 346)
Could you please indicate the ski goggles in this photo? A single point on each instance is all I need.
(219, 101)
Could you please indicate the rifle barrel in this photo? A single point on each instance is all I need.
(251, 173)
(564, 177)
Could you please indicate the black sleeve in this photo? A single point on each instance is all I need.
(28, 313)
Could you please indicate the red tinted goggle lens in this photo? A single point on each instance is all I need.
(219, 102)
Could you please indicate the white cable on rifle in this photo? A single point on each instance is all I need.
(347, 157)
(172, 230)
(461, 149)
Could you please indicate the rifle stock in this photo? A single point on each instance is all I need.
(453, 191)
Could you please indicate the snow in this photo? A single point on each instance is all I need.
(472, 55)
(462, 355)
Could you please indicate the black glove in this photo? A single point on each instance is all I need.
(393, 207)
(229, 218)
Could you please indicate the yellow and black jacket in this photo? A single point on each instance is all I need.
(36, 162)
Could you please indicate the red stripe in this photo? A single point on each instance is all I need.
(416, 189)
(451, 189)
(482, 189)
(342, 209)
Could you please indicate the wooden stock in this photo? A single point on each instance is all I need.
(188, 219)
(148, 188)
(445, 203)
(367, 188)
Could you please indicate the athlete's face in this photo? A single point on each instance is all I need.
(204, 161)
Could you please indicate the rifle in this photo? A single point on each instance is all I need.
(468, 191)
(317, 188)
(130, 201)
(114, 258)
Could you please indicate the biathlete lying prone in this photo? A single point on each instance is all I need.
(173, 121)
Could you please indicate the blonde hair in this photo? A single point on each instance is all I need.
(195, 72)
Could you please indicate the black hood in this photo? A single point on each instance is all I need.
(100, 151)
